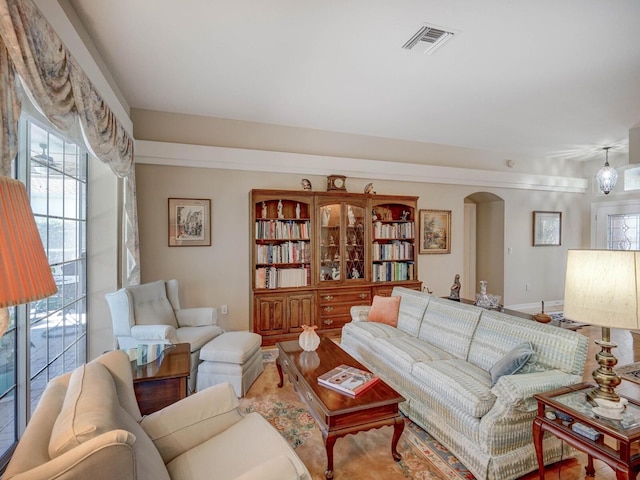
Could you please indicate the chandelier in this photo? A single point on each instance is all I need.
(607, 175)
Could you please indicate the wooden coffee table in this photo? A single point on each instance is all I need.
(335, 413)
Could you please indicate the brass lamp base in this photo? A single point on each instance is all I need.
(606, 378)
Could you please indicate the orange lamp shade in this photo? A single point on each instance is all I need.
(25, 274)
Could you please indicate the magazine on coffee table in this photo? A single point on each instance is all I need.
(349, 380)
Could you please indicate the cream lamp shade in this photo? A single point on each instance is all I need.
(25, 274)
(602, 288)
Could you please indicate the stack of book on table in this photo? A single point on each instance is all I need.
(349, 380)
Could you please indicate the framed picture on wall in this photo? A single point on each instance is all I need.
(435, 231)
(547, 229)
(189, 222)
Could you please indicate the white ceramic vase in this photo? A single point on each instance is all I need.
(309, 339)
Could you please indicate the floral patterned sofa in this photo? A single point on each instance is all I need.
(441, 357)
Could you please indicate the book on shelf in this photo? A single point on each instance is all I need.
(349, 380)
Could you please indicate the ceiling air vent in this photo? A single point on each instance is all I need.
(428, 39)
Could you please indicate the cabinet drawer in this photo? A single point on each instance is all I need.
(336, 309)
(334, 321)
(353, 297)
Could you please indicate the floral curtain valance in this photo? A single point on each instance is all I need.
(31, 50)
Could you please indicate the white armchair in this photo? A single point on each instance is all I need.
(150, 313)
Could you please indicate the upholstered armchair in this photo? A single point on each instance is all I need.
(88, 425)
(150, 313)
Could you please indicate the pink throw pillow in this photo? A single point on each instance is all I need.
(385, 310)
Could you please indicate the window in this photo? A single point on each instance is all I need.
(53, 330)
(623, 232)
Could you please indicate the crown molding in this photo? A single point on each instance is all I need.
(201, 156)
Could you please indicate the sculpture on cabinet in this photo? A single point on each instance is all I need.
(455, 288)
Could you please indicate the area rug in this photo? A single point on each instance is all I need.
(365, 456)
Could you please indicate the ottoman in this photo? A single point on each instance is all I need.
(233, 357)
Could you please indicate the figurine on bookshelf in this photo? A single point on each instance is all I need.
(355, 273)
(335, 273)
(326, 216)
(405, 215)
(298, 211)
(264, 209)
(280, 214)
(306, 184)
(351, 216)
(331, 240)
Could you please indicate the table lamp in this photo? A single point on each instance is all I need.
(25, 274)
(602, 288)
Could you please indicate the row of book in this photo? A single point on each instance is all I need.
(393, 271)
(393, 230)
(282, 229)
(349, 380)
(396, 250)
(289, 252)
(273, 277)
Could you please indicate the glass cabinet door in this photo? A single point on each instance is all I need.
(330, 241)
(342, 242)
(354, 243)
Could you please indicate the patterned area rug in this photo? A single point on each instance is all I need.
(365, 456)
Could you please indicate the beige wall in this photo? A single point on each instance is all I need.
(216, 275)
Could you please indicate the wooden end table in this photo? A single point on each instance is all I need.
(338, 414)
(163, 381)
(618, 444)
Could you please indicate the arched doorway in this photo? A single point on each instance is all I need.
(483, 244)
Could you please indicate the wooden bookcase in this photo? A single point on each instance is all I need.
(316, 254)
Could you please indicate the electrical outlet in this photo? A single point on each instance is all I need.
(224, 309)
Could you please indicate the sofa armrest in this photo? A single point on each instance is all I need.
(518, 390)
(197, 317)
(154, 333)
(112, 451)
(193, 420)
(360, 313)
(278, 468)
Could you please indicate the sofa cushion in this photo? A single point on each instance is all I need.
(214, 458)
(412, 307)
(402, 352)
(512, 362)
(198, 337)
(151, 305)
(450, 326)
(88, 409)
(457, 383)
(384, 310)
(370, 331)
(91, 408)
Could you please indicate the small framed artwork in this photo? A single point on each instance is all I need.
(547, 229)
(435, 231)
(189, 222)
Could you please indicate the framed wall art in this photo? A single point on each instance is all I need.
(435, 231)
(189, 222)
(547, 229)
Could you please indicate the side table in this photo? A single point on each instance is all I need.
(163, 381)
(617, 443)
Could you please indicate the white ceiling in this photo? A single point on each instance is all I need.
(545, 78)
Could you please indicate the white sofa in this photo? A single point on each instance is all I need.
(88, 426)
(440, 357)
